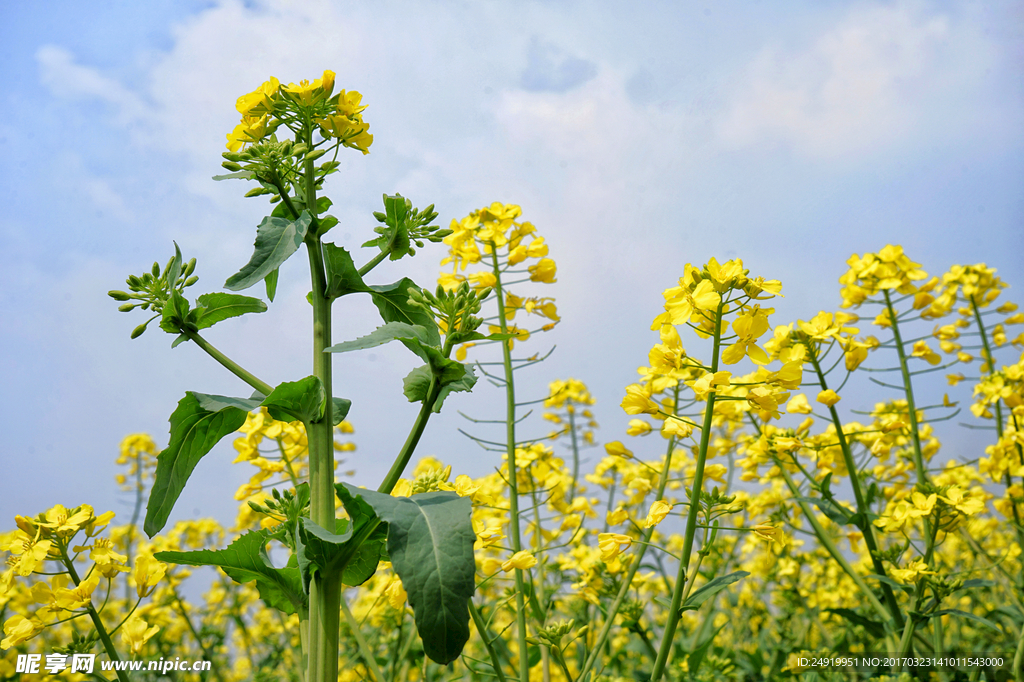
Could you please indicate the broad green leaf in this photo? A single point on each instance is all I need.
(417, 383)
(392, 300)
(430, 542)
(303, 400)
(276, 240)
(383, 334)
(711, 588)
(321, 550)
(271, 283)
(194, 432)
(245, 560)
(215, 403)
(339, 409)
(212, 308)
(342, 274)
(237, 175)
(874, 627)
(175, 313)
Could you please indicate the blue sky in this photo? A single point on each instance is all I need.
(636, 138)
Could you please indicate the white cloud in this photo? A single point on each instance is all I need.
(883, 75)
(67, 79)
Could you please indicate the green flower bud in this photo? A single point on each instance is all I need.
(126, 308)
(233, 156)
(315, 154)
(300, 149)
(133, 282)
(191, 280)
(138, 331)
(156, 269)
(231, 166)
(118, 295)
(257, 192)
(190, 267)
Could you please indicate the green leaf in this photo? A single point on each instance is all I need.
(239, 175)
(271, 283)
(194, 432)
(696, 658)
(175, 313)
(711, 588)
(245, 560)
(430, 542)
(303, 400)
(836, 512)
(342, 274)
(215, 403)
(175, 269)
(383, 334)
(965, 614)
(321, 550)
(276, 240)
(339, 409)
(873, 627)
(417, 383)
(212, 308)
(392, 300)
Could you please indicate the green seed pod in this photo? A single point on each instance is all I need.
(231, 166)
(191, 280)
(138, 331)
(118, 295)
(126, 308)
(190, 267)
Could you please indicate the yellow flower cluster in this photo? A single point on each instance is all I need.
(270, 105)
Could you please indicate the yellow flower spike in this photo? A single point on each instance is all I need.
(659, 510)
(521, 560)
(798, 405)
(617, 449)
(638, 427)
(19, 629)
(396, 594)
(136, 632)
(617, 517)
(613, 544)
(148, 572)
(543, 271)
(828, 398)
(638, 401)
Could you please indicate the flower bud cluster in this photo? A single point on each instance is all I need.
(152, 289)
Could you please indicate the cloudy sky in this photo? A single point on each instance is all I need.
(636, 138)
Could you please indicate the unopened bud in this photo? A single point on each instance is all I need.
(315, 154)
(231, 166)
(138, 331)
(126, 308)
(118, 295)
(190, 267)
(156, 269)
(191, 280)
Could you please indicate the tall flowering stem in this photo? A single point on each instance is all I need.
(675, 612)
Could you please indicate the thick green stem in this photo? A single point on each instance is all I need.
(908, 389)
(325, 588)
(691, 519)
(858, 493)
(485, 637)
(510, 451)
(413, 439)
(232, 366)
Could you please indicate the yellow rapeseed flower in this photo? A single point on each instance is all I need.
(659, 510)
(521, 560)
